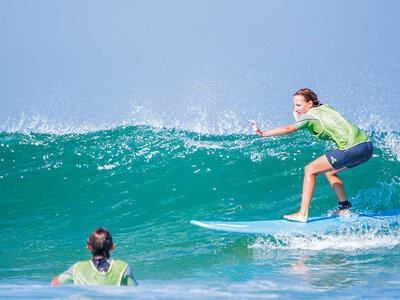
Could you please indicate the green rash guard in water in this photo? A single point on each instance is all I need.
(326, 123)
(84, 272)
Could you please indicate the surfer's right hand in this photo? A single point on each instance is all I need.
(296, 115)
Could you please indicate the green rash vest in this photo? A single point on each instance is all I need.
(85, 273)
(326, 123)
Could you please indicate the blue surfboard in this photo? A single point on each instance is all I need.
(283, 226)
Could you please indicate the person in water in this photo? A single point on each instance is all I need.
(354, 147)
(100, 270)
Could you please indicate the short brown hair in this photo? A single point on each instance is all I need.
(309, 95)
(100, 242)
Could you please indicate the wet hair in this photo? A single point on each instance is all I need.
(100, 241)
(309, 95)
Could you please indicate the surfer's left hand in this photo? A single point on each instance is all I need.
(253, 124)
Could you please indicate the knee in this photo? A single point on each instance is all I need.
(309, 170)
(332, 174)
(332, 177)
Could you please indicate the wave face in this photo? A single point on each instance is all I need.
(145, 184)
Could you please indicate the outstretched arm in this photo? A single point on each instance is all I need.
(272, 132)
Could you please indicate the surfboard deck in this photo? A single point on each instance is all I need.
(283, 226)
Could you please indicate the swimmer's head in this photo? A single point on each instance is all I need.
(308, 96)
(100, 243)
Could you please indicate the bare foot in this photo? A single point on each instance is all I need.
(296, 217)
(341, 213)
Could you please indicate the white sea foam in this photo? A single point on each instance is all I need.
(347, 240)
(151, 289)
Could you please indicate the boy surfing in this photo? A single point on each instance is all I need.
(354, 147)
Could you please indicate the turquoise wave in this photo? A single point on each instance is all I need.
(145, 184)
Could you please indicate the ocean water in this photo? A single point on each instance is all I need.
(145, 184)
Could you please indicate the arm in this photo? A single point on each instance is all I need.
(127, 278)
(279, 131)
(273, 132)
(64, 278)
(128, 281)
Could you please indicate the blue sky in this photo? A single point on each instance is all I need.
(174, 63)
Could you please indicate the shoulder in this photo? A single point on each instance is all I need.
(305, 121)
(307, 117)
(323, 107)
(119, 262)
(120, 265)
(123, 265)
(80, 265)
(70, 270)
(128, 271)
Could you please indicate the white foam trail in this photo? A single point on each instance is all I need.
(151, 289)
(348, 240)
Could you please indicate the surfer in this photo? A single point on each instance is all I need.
(353, 148)
(100, 270)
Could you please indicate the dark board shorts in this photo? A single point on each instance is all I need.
(350, 157)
